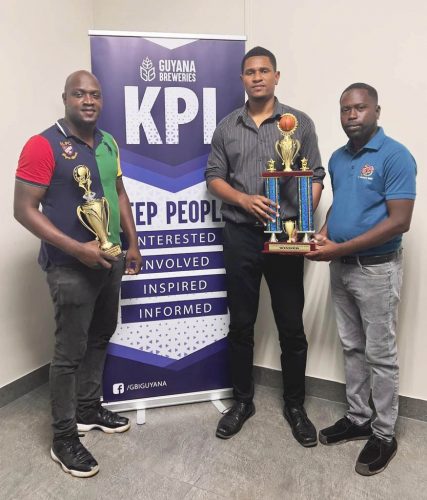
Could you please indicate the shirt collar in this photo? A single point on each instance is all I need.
(277, 113)
(243, 114)
(374, 144)
(62, 126)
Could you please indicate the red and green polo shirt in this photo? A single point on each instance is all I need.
(48, 160)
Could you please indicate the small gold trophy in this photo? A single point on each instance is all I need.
(94, 214)
(289, 227)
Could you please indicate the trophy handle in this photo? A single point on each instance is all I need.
(79, 211)
(298, 147)
(276, 147)
(107, 210)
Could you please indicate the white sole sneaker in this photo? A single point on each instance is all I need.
(107, 430)
(75, 473)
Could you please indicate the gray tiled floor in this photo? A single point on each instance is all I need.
(176, 456)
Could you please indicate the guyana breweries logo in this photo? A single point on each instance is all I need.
(366, 172)
(166, 83)
(168, 70)
(147, 71)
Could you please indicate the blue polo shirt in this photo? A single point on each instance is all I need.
(363, 182)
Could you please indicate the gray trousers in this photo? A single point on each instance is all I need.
(86, 307)
(366, 300)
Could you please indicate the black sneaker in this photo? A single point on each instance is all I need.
(344, 430)
(73, 457)
(302, 428)
(103, 419)
(231, 423)
(375, 456)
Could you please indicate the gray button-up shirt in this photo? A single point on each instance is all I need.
(240, 152)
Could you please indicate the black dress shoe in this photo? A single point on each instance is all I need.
(302, 428)
(375, 456)
(231, 423)
(344, 430)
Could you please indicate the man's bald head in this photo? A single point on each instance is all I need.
(75, 78)
(82, 99)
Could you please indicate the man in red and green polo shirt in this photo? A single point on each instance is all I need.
(84, 281)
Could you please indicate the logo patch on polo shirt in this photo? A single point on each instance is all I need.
(367, 171)
(68, 151)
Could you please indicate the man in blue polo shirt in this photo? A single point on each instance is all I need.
(373, 182)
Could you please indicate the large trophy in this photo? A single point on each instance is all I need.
(94, 213)
(287, 148)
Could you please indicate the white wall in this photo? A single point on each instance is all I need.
(41, 43)
(167, 16)
(321, 47)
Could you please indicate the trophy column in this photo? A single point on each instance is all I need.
(271, 185)
(305, 202)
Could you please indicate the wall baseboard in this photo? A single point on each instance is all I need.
(335, 391)
(319, 388)
(25, 384)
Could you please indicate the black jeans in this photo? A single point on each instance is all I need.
(86, 305)
(245, 265)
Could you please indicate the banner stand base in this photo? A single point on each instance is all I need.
(171, 400)
(219, 405)
(140, 417)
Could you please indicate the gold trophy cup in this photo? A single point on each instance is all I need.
(287, 148)
(94, 213)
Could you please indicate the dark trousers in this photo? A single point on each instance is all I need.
(86, 305)
(245, 265)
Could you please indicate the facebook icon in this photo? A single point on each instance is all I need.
(118, 388)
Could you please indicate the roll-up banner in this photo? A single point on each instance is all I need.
(163, 97)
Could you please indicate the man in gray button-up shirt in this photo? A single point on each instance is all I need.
(241, 146)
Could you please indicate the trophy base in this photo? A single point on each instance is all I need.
(282, 247)
(114, 251)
